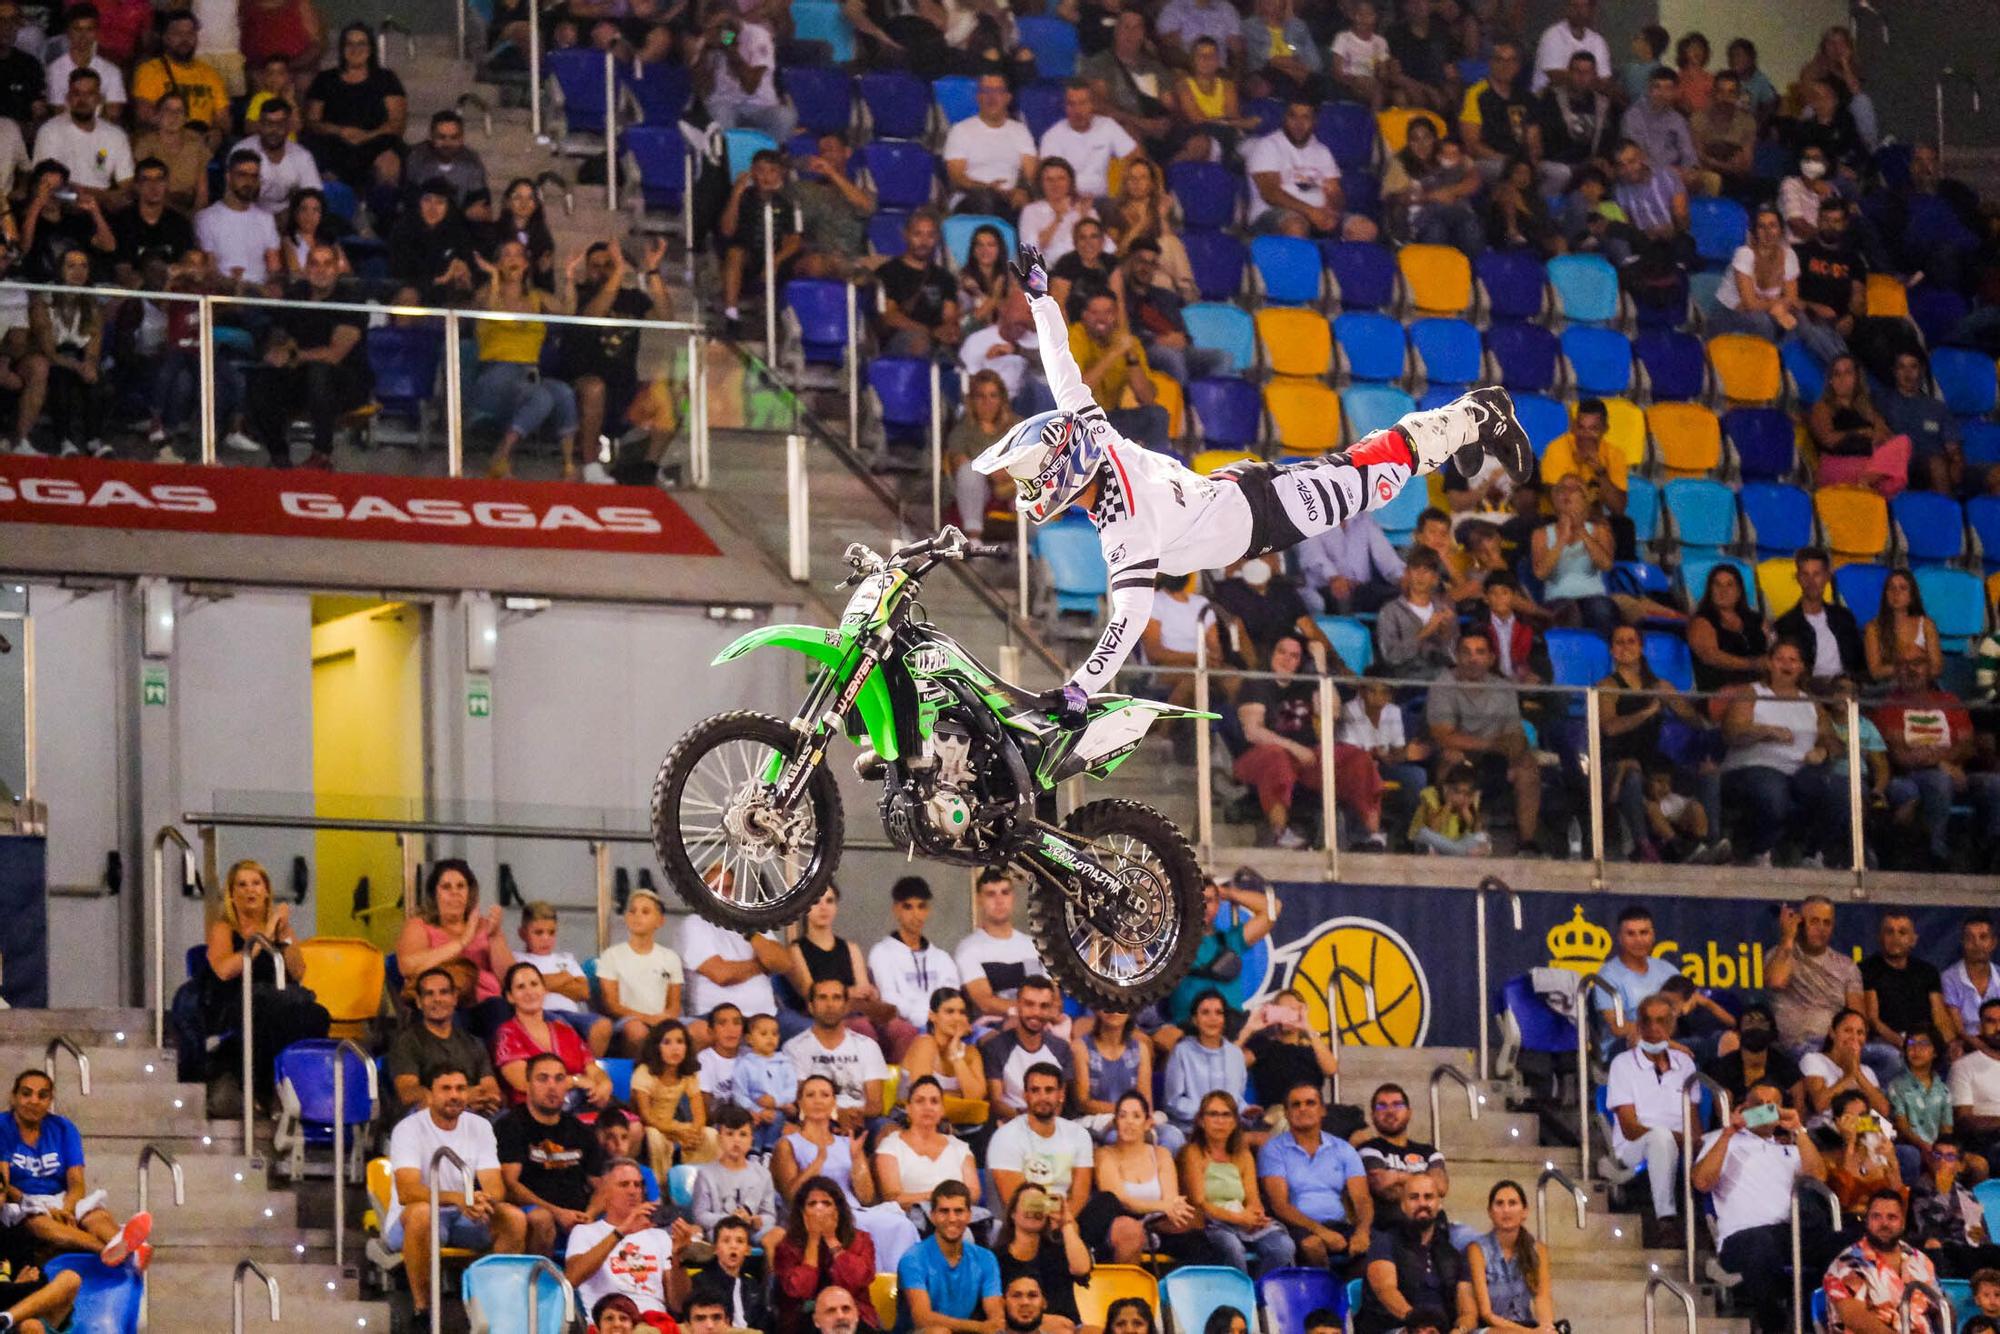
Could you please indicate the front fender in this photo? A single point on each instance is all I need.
(828, 647)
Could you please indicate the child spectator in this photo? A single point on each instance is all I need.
(618, 1137)
(1986, 1296)
(640, 980)
(733, 1186)
(1520, 654)
(718, 1058)
(1417, 634)
(562, 976)
(767, 1082)
(1676, 824)
(1448, 821)
(666, 1091)
(733, 1279)
(1648, 45)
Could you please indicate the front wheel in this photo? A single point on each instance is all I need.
(1127, 950)
(731, 855)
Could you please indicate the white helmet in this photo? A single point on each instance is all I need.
(1051, 457)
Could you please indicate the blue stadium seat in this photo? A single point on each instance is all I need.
(1642, 507)
(1669, 657)
(1515, 282)
(1981, 441)
(108, 1301)
(1675, 363)
(308, 1113)
(824, 98)
(823, 21)
(1600, 360)
(1225, 328)
(885, 232)
(1373, 407)
(495, 1290)
(1194, 1292)
(1933, 527)
(1780, 517)
(1640, 578)
(578, 73)
(1719, 226)
(1351, 639)
(1348, 131)
(1958, 1291)
(1982, 514)
(1218, 260)
(1765, 441)
(898, 104)
(740, 146)
(1956, 600)
(1578, 657)
(1041, 106)
(1936, 311)
(1364, 274)
(620, 1069)
(1364, 193)
(658, 154)
(1543, 418)
(1078, 575)
(1704, 512)
(1290, 1295)
(1207, 192)
(820, 307)
(340, 199)
(903, 387)
(405, 361)
(1586, 288)
(1697, 565)
(905, 174)
(1288, 269)
(957, 97)
(1537, 1027)
(680, 1183)
(663, 89)
(1269, 111)
(1448, 351)
(1965, 380)
(1053, 40)
(1860, 588)
(1229, 412)
(1371, 344)
(1526, 355)
(959, 229)
(1398, 518)
(1807, 372)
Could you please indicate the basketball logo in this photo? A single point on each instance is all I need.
(1363, 977)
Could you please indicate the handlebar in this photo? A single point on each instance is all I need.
(949, 544)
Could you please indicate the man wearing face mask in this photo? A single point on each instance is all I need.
(1643, 1093)
(1757, 1058)
(1800, 196)
(1748, 1168)
(1154, 516)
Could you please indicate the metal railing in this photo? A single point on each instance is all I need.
(1805, 1185)
(1686, 1299)
(1585, 1107)
(1690, 1136)
(340, 1125)
(1905, 1316)
(62, 1043)
(1553, 1175)
(1490, 884)
(149, 1155)
(470, 1183)
(245, 1267)
(254, 944)
(1439, 1074)
(543, 1265)
(156, 905)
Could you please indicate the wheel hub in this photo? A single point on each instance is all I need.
(759, 831)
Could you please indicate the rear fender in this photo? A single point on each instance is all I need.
(828, 648)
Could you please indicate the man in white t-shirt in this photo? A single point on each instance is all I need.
(82, 53)
(1564, 38)
(625, 1251)
(1087, 141)
(989, 158)
(241, 239)
(97, 153)
(724, 965)
(854, 1063)
(906, 966)
(994, 959)
(639, 978)
(1643, 1094)
(736, 72)
(1041, 1147)
(485, 1222)
(288, 165)
(1748, 1168)
(1975, 1085)
(1295, 183)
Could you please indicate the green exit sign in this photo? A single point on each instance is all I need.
(153, 685)
(478, 697)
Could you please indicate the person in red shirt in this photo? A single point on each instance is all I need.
(1929, 735)
(530, 1033)
(822, 1250)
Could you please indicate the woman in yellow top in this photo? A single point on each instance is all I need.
(510, 386)
(1206, 106)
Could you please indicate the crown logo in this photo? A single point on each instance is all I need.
(1578, 945)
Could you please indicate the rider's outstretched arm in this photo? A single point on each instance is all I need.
(1064, 376)
(1131, 609)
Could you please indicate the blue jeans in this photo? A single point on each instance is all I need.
(1932, 789)
(1448, 224)
(1274, 1246)
(1181, 364)
(512, 392)
(1770, 803)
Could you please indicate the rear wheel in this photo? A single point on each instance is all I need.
(1124, 950)
(728, 852)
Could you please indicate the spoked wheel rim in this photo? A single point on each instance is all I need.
(752, 855)
(1144, 926)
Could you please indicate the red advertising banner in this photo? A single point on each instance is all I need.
(269, 502)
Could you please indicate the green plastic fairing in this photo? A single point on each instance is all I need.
(829, 647)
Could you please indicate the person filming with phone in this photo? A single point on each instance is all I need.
(1749, 1167)
(625, 1251)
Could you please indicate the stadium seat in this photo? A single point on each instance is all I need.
(1167, 393)
(1642, 507)
(898, 104)
(1697, 566)
(1931, 527)
(1295, 342)
(1955, 600)
(885, 232)
(405, 361)
(347, 976)
(1193, 1292)
(1640, 577)
(1578, 657)
(1807, 371)
(1074, 562)
(1746, 368)
(657, 156)
(1688, 438)
(1965, 380)
(818, 311)
(1225, 328)
(1287, 269)
(1438, 278)
(1110, 1283)
(905, 175)
(1958, 1291)
(1542, 418)
(1448, 351)
(619, 1068)
(1290, 1295)
(823, 21)
(1207, 192)
(823, 98)
(1778, 582)
(108, 1301)
(1765, 441)
(882, 1296)
(1041, 106)
(1212, 461)
(1586, 289)
(959, 228)
(1364, 274)
(739, 147)
(1054, 42)
(1780, 517)
(1600, 360)
(1860, 587)
(1702, 288)
(308, 1113)
(1719, 225)
(662, 89)
(1936, 311)
(576, 78)
(1218, 260)
(1669, 657)
(1531, 1024)
(495, 1291)
(1305, 415)
(1856, 522)
(902, 389)
(1981, 442)
(956, 97)
(1526, 356)
(1887, 297)
(1675, 365)
(1373, 407)
(1372, 346)
(1268, 112)
(1351, 639)
(1513, 283)
(1704, 513)
(1227, 412)
(1982, 515)
(1348, 131)
(1394, 125)
(1625, 431)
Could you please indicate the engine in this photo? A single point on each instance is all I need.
(936, 810)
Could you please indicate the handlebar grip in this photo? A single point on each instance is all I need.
(988, 549)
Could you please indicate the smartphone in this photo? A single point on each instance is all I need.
(729, 36)
(1279, 1015)
(1763, 1114)
(1868, 1123)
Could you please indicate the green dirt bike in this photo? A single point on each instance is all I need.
(747, 817)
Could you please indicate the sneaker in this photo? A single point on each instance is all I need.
(596, 474)
(137, 1228)
(67, 450)
(168, 454)
(1287, 838)
(99, 450)
(240, 442)
(157, 435)
(1761, 860)
(1374, 842)
(1720, 852)
(26, 448)
(142, 1256)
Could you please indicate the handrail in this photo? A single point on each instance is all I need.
(470, 1182)
(1653, 1285)
(1488, 884)
(1689, 1138)
(243, 1267)
(542, 1263)
(254, 944)
(1807, 1186)
(1555, 1174)
(148, 1155)
(1439, 1074)
(62, 1042)
(1584, 986)
(156, 900)
(1904, 1316)
(340, 1123)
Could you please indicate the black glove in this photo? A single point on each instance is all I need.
(1067, 704)
(1031, 270)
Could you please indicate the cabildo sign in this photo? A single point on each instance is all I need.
(295, 503)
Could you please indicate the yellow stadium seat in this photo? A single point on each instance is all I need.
(1439, 278)
(1856, 521)
(1394, 125)
(1688, 437)
(969, 1112)
(1215, 460)
(1624, 430)
(882, 1293)
(1993, 588)
(1778, 584)
(1167, 393)
(1305, 415)
(892, 1085)
(381, 1185)
(1888, 297)
(346, 975)
(1746, 368)
(1296, 342)
(1110, 1283)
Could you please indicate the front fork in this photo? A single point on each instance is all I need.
(1055, 853)
(817, 721)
